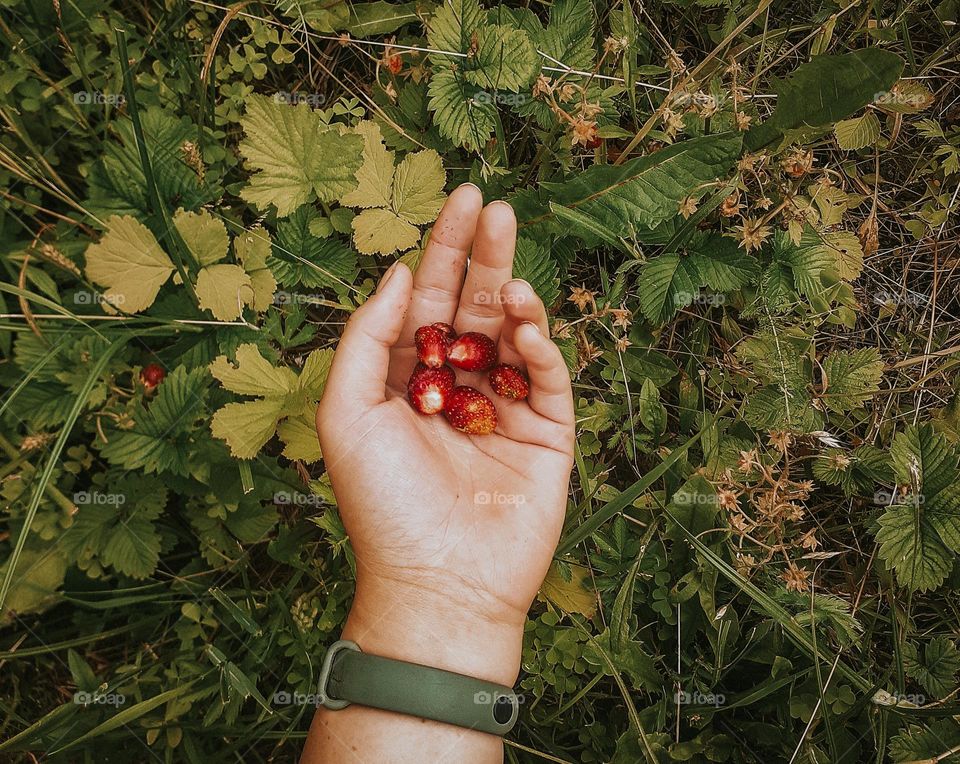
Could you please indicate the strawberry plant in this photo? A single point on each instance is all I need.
(742, 219)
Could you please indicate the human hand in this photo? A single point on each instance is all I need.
(452, 533)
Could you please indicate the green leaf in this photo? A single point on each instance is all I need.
(919, 538)
(133, 547)
(298, 157)
(381, 231)
(641, 193)
(665, 284)
(375, 176)
(533, 263)
(857, 133)
(301, 259)
(130, 263)
(568, 587)
(851, 377)
(246, 427)
(505, 59)
(826, 89)
(253, 374)
(452, 28)
(721, 264)
(937, 670)
(460, 116)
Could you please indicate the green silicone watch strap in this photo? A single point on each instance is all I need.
(351, 676)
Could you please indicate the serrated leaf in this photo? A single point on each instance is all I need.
(467, 121)
(253, 374)
(301, 259)
(919, 539)
(298, 158)
(858, 132)
(223, 289)
(133, 547)
(381, 231)
(665, 284)
(567, 587)
(129, 262)
(452, 27)
(937, 670)
(375, 176)
(252, 249)
(247, 426)
(533, 263)
(721, 264)
(851, 377)
(299, 435)
(418, 187)
(205, 236)
(504, 59)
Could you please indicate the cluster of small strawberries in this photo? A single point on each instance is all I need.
(433, 385)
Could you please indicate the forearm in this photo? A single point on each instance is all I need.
(418, 627)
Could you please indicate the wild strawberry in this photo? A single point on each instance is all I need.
(431, 344)
(472, 352)
(509, 382)
(470, 411)
(394, 63)
(594, 143)
(448, 331)
(428, 389)
(152, 375)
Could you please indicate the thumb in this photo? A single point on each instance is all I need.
(358, 376)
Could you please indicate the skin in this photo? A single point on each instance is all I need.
(453, 533)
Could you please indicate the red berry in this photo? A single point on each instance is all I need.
(394, 64)
(470, 411)
(448, 331)
(431, 346)
(428, 388)
(508, 381)
(595, 142)
(472, 352)
(152, 375)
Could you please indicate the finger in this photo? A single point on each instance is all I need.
(491, 264)
(520, 305)
(550, 393)
(357, 378)
(439, 277)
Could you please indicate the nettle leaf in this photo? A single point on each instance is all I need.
(937, 670)
(301, 259)
(462, 117)
(851, 377)
(504, 59)
(129, 262)
(920, 538)
(299, 158)
(826, 89)
(280, 393)
(395, 200)
(857, 133)
(641, 193)
(533, 263)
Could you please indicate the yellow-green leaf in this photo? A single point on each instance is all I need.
(418, 187)
(223, 290)
(573, 595)
(129, 262)
(375, 176)
(379, 230)
(858, 132)
(252, 248)
(247, 426)
(253, 374)
(299, 435)
(205, 236)
(313, 376)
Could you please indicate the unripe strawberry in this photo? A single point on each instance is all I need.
(431, 344)
(428, 388)
(470, 411)
(152, 375)
(509, 382)
(472, 352)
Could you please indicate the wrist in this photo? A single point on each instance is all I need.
(420, 625)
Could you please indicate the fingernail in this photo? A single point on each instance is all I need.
(520, 281)
(530, 323)
(471, 185)
(504, 202)
(388, 275)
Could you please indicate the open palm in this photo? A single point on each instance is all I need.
(472, 518)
